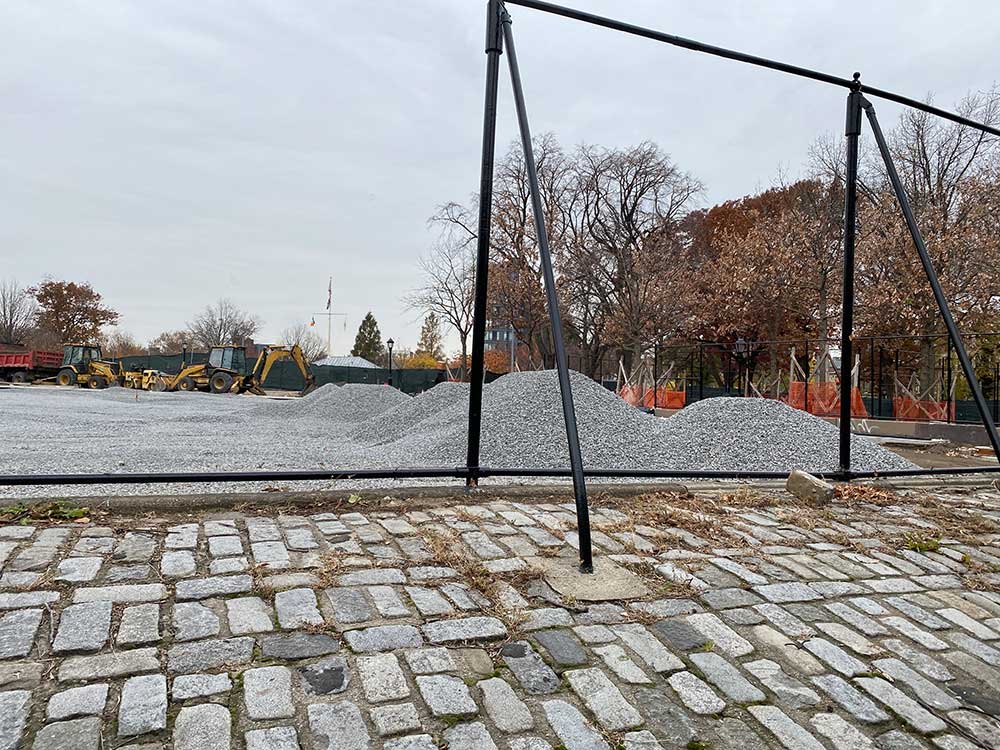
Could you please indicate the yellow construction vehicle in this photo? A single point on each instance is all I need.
(83, 365)
(145, 380)
(224, 371)
(254, 383)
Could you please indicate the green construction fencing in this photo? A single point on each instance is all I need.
(285, 375)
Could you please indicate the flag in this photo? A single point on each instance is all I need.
(329, 294)
(312, 322)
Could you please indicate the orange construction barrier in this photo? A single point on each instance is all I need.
(917, 410)
(665, 398)
(824, 399)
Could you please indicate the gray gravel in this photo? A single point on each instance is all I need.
(50, 430)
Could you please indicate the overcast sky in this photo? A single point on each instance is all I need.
(174, 151)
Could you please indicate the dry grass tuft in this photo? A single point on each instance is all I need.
(982, 581)
(869, 494)
(446, 550)
(330, 566)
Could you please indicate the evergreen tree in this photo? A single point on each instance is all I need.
(430, 337)
(368, 342)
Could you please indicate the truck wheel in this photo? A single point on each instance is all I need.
(187, 384)
(97, 382)
(66, 377)
(19, 377)
(221, 382)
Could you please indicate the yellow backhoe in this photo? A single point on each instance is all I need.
(83, 365)
(224, 371)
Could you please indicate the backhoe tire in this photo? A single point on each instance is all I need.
(187, 384)
(97, 383)
(221, 382)
(66, 377)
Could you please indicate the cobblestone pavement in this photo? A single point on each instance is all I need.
(874, 622)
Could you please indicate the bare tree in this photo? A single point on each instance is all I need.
(311, 343)
(121, 344)
(449, 286)
(170, 342)
(17, 312)
(222, 324)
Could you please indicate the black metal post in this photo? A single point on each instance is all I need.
(701, 371)
(656, 372)
(881, 375)
(871, 373)
(494, 46)
(942, 303)
(852, 131)
(947, 396)
(552, 299)
(805, 396)
(996, 392)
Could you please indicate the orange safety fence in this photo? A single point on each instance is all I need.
(917, 410)
(665, 398)
(824, 399)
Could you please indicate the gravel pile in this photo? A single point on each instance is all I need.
(426, 412)
(353, 402)
(523, 427)
(366, 426)
(729, 434)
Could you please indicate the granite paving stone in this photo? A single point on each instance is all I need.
(695, 694)
(603, 699)
(83, 627)
(274, 738)
(199, 685)
(727, 678)
(446, 695)
(382, 678)
(267, 693)
(143, 705)
(570, 726)
(338, 725)
(17, 632)
(207, 726)
(76, 734)
(508, 712)
(348, 629)
(88, 700)
(395, 719)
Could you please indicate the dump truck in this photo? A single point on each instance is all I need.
(28, 365)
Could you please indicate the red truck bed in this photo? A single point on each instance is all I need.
(34, 363)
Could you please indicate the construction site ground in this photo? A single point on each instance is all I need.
(721, 617)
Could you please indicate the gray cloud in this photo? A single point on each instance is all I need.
(174, 152)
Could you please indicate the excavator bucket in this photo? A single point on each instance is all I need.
(310, 387)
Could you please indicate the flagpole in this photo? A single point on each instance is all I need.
(329, 319)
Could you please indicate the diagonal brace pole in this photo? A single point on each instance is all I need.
(925, 260)
(565, 390)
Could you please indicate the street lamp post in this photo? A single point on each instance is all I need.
(389, 343)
